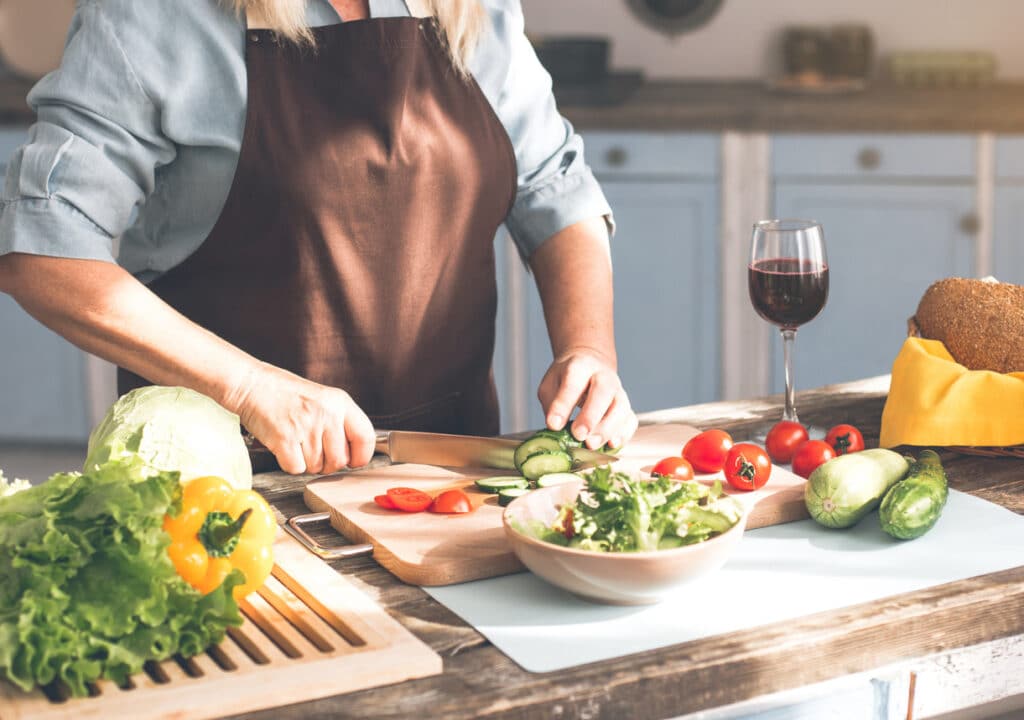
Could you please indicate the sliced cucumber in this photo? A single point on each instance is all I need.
(509, 494)
(545, 462)
(558, 478)
(533, 445)
(502, 482)
(563, 436)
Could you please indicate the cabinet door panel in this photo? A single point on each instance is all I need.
(885, 245)
(1008, 253)
(665, 260)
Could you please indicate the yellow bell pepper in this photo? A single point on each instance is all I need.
(219, 529)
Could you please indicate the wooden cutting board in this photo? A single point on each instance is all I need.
(431, 549)
(308, 633)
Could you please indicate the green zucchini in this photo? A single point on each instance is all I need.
(546, 462)
(502, 482)
(535, 444)
(912, 506)
(845, 489)
(558, 478)
(509, 494)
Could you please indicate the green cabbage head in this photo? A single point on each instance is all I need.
(173, 429)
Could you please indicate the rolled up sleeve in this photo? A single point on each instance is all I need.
(556, 188)
(90, 160)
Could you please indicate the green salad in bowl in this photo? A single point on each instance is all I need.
(615, 512)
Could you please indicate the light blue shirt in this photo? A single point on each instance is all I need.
(139, 132)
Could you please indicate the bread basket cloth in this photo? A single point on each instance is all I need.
(933, 400)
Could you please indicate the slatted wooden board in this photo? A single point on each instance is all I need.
(308, 634)
(430, 549)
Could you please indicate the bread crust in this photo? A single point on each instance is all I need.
(980, 322)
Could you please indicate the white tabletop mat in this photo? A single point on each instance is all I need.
(777, 573)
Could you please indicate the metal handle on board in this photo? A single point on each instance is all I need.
(294, 527)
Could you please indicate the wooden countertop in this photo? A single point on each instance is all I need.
(750, 106)
(479, 680)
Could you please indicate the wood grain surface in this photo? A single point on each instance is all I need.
(431, 549)
(481, 682)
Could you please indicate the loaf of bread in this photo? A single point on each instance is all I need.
(981, 322)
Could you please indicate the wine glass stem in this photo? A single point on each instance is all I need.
(788, 335)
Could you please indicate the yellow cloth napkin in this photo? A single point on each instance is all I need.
(933, 400)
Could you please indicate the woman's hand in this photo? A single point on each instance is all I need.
(310, 428)
(585, 378)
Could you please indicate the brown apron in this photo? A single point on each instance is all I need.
(356, 246)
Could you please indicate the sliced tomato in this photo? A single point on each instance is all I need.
(384, 501)
(845, 439)
(452, 501)
(783, 440)
(810, 455)
(707, 451)
(747, 466)
(409, 499)
(674, 467)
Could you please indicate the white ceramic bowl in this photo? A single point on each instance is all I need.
(633, 578)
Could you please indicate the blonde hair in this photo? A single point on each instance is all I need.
(461, 22)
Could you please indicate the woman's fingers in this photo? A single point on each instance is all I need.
(361, 437)
(336, 455)
(289, 455)
(561, 391)
(589, 424)
(619, 423)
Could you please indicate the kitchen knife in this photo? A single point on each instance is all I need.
(466, 450)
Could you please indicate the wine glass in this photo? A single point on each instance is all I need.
(788, 281)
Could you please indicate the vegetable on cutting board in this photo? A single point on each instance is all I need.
(783, 439)
(707, 451)
(173, 429)
(747, 467)
(810, 455)
(912, 506)
(220, 529)
(845, 439)
(89, 590)
(676, 468)
(845, 489)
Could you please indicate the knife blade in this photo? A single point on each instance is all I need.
(466, 450)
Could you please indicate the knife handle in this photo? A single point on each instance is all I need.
(383, 442)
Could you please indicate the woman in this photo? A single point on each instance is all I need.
(305, 194)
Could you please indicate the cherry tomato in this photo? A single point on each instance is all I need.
(783, 440)
(845, 439)
(707, 451)
(384, 501)
(451, 501)
(409, 499)
(810, 455)
(674, 467)
(747, 466)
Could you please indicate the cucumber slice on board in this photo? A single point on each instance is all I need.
(563, 436)
(533, 445)
(502, 482)
(558, 478)
(509, 494)
(545, 462)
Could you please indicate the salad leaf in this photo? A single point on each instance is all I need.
(9, 487)
(616, 512)
(88, 589)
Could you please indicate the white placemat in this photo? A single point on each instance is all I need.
(777, 573)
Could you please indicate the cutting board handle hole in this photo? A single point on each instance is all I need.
(156, 673)
(189, 666)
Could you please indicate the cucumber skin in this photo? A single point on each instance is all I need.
(913, 506)
(853, 484)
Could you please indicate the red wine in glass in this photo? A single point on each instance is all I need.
(788, 292)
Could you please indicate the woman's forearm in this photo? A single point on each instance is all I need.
(101, 308)
(574, 276)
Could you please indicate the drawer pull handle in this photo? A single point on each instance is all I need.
(869, 159)
(616, 157)
(970, 224)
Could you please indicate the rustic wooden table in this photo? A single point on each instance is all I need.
(951, 646)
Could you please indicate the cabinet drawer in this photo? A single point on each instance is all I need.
(620, 154)
(1010, 158)
(869, 156)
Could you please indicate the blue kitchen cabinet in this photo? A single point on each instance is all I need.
(1008, 228)
(43, 395)
(664, 194)
(898, 214)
